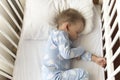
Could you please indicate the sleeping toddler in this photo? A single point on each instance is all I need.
(59, 50)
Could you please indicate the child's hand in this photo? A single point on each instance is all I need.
(99, 60)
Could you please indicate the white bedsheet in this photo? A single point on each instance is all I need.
(93, 43)
(30, 52)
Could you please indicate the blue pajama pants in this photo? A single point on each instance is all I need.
(72, 74)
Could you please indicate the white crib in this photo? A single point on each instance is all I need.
(11, 20)
(111, 38)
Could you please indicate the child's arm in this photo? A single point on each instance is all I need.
(65, 49)
(99, 60)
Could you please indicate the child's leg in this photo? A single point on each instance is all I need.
(75, 74)
(72, 74)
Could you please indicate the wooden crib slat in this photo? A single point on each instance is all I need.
(8, 32)
(118, 11)
(4, 55)
(113, 15)
(5, 75)
(19, 5)
(106, 27)
(5, 31)
(5, 67)
(114, 73)
(9, 26)
(113, 27)
(110, 18)
(110, 9)
(113, 57)
(11, 16)
(7, 50)
(11, 19)
(114, 40)
(5, 61)
(5, 16)
(16, 11)
(110, 69)
(111, 37)
(106, 2)
(9, 39)
(7, 42)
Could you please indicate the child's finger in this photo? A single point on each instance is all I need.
(104, 60)
(102, 64)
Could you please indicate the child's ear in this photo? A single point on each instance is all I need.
(68, 26)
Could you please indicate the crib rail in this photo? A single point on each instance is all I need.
(11, 17)
(110, 15)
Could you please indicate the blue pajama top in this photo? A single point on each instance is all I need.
(59, 52)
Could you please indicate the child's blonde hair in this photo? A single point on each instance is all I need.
(69, 15)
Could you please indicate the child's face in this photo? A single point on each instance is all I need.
(75, 29)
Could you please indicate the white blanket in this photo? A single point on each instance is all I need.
(30, 52)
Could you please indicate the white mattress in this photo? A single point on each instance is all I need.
(30, 52)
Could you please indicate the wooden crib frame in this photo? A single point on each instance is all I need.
(110, 16)
(11, 18)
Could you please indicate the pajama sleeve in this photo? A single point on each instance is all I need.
(67, 52)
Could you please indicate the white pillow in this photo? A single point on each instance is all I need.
(41, 14)
(37, 19)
